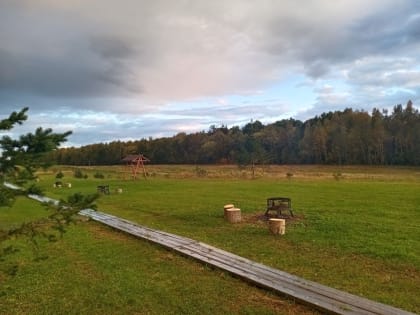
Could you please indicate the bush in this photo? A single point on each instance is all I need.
(99, 175)
(59, 175)
(200, 172)
(6, 197)
(34, 189)
(23, 176)
(78, 173)
(338, 176)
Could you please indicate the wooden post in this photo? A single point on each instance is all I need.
(229, 206)
(277, 226)
(233, 215)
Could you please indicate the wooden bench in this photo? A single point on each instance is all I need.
(279, 204)
(104, 189)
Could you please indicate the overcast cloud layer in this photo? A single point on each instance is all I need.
(129, 69)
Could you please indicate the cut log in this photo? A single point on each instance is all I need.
(233, 215)
(226, 207)
(277, 226)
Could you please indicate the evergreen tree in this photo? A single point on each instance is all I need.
(20, 158)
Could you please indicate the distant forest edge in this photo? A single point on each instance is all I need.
(340, 137)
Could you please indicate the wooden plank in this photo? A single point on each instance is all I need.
(271, 273)
(317, 301)
(322, 297)
(165, 239)
(271, 280)
(312, 293)
(142, 230)
(43, 199)
(12, 186)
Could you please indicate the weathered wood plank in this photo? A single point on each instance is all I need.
(43, 199)
(12, 186)
(308, 292)
(313, 295)
(307, 297)
(141, 231)
(277, 275)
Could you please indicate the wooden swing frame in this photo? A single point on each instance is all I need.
(134, 163)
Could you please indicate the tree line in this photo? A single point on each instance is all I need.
(340, 137)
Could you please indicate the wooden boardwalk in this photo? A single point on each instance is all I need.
(324, 298)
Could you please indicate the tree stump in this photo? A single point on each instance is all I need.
(233, 215)
(229, 206)
(277, 226)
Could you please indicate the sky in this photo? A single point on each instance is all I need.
(132, 69)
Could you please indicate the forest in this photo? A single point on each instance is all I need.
(341, 138)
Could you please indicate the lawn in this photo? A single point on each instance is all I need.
(356, 229)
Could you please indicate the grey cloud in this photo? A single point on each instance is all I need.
(413, 27)
(384, 73)
(333, 41)
(394, 31)
(317, 68)
(269, 108)
(136, 130)
(112, 47)
(137, 56)
(48, 55)
(185, 50)
(46, 76)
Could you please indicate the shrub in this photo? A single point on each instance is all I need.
(6, 197)
(201, 172)
(34, 189)
(99, 175)
(78, 173)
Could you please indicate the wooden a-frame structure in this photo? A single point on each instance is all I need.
(135, 162)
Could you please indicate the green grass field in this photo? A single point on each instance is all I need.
(357, 229)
